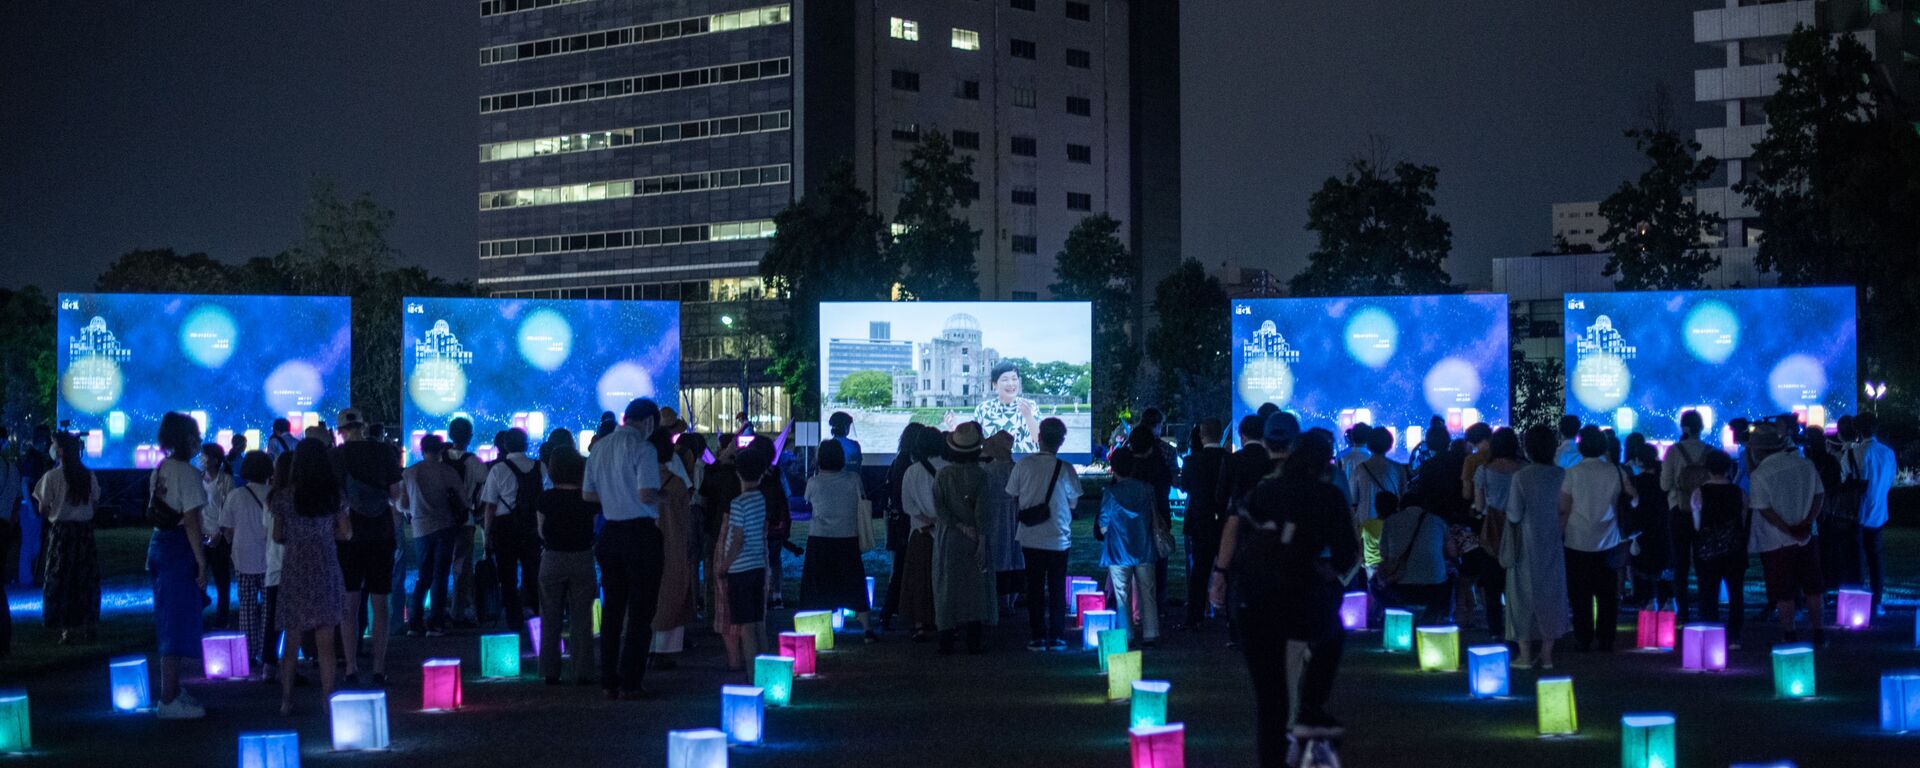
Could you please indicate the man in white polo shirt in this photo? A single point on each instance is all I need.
(623, 475)
(1589, 511)
(1785, 500)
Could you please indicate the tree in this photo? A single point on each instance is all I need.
(1836, 189)
(1654, 227)
(866, 389)
(27, 376)
(1378, 234)
(162, 270)
(1188, 345)
(1095, 266)
(936, 247)
(1537, 396)
(827, 246)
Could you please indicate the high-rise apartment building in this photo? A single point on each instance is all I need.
(640, 149)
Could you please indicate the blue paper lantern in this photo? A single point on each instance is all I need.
(270, 749)
(1900, 701)
(700, 748)
(1090, 625)
(743, 713)
(359, 720)
(128, 682)
(1487, 671)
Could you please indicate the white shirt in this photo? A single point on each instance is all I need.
(1028, 484)
(213, 516)
(1877, 466)
(475, 478)
(622, 465)
(52, 498)
(247, 514)
(502, 490)
(1568, 454)
(835, 497)
(1377, 473)
(1786, 483)
(1595, 486)
(184, 491)
(916, 492)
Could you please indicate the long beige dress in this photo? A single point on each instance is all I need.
(676, 606)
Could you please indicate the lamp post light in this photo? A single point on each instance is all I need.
(1875, 391)
(741, 348)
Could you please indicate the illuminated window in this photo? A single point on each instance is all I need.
(662, 133)
(905, 29)
(966, 39)
(629, 86)
(624, 36)
(654, 237)
(641, 187)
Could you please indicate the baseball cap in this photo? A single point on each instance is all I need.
(1282, 427)
(350, 418)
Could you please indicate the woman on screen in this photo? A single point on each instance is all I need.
(1007, 411)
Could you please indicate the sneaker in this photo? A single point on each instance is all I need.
(1036, 645)
(179, 709)
(437, 632)
(1057, 645)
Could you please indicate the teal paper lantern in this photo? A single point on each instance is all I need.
(774, 676)
(1112, 641)
(1149, 703)
(16, 728)
(500, 655)
(1397, 637)
(1793, 671)
(1646, 741)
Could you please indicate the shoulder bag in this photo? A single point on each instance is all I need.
(1043, 512)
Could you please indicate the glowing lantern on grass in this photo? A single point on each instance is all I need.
(816, 623)
(774, 676)
(596, 617)
(1487, 671)
(1557, 715)
(275, 749)
(223, 656)
(1439, 648)
(1159, 746)
(359, 720)
(1353, 611)
(1793, 671)
(743, 713)
(16, 728)
(1087, 601)
(1646, 741)
(440, 684)
(1077, 585)
(1123, 670)
(1112, 641)
(1091, 623)
(127, 681)
(1150, 702)
(1398, 637)
(702, 748)
(1900, 701)
(1703, 647)
(1654, 630)
(799, 647)
(1854, 609)
(500, 655)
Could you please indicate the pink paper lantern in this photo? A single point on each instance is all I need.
(799, 646)
(440, 684)
(1159, 746)
(1855, 609)
(1654, 630)
(224, 656)
(1353, 611)
(1704, 648)
(1087, 601)
(1665, 621)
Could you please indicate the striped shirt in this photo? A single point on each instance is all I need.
(749, 514)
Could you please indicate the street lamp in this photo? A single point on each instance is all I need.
(741, 348)
(1875, 391)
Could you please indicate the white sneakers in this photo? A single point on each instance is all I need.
(183, 707)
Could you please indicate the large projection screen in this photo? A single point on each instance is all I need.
(1387, 361)
(889, 363)
(234, 363)
(1636, 361)
(532, 364)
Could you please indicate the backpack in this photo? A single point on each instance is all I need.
(1693, 473)
(1719, 538)
(1382, 499)
(526, 495)
(471, 502)
(1844, 500)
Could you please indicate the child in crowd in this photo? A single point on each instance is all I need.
(742, 557)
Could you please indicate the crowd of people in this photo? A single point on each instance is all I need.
(1531, 535)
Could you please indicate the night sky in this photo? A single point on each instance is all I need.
(199, 125)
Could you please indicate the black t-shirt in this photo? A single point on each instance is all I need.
(566, 520)
(374, 463)
(1202, 479)
(1299, 548)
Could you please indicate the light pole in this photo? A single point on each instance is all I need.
(741, 349)
(1875, 391)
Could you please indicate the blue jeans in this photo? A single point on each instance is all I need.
(436, 557)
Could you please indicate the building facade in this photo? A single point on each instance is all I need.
(1578, 225)
(953, 366)
(879, 351)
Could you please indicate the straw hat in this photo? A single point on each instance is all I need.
(965, 438)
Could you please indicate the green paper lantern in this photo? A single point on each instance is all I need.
(1793, 671)
(1557, 715)
(816, 623)
(1646, 740)
(1149, 703)
(500, 655)
(1439, 648)
(1397, 637)
(774, 675)
(1112, 641)
(16, 730)
(1123, 670)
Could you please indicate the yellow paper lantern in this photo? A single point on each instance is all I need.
(1123, 670)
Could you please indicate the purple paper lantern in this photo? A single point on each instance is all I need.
(1703, 648)
(1353, 611)
(223, 656)
(1854, 609)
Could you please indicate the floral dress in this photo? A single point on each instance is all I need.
(995, 416)
(312, 591)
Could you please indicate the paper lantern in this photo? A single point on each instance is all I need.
(799, 647)
(816, 623)
(127, 680)
(500, 655)
(1123, 670)
(870, 592)
(16, 728)
(839, 617)
(440, 684)
(1654, 630)
(774, 675)
(1646, 741)
(1557, 715)
(359, 720)
(1159, 746)
(1899, 701)
(1854, 609)
(1664, 634)
(1087, 601)
(1150, 702)
(1439, 648)
(1793, 671)
(1487, 671)
(1353, 611)
(1703, 647)
(271, 749)
(223, 656)
(1398, 637)
(1092, 622)
(596, 617)
(702, 748)
(1111, 641)
(533, 634)
(743, 713)
(1076, 585)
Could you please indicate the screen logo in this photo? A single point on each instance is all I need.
(1576, 304)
